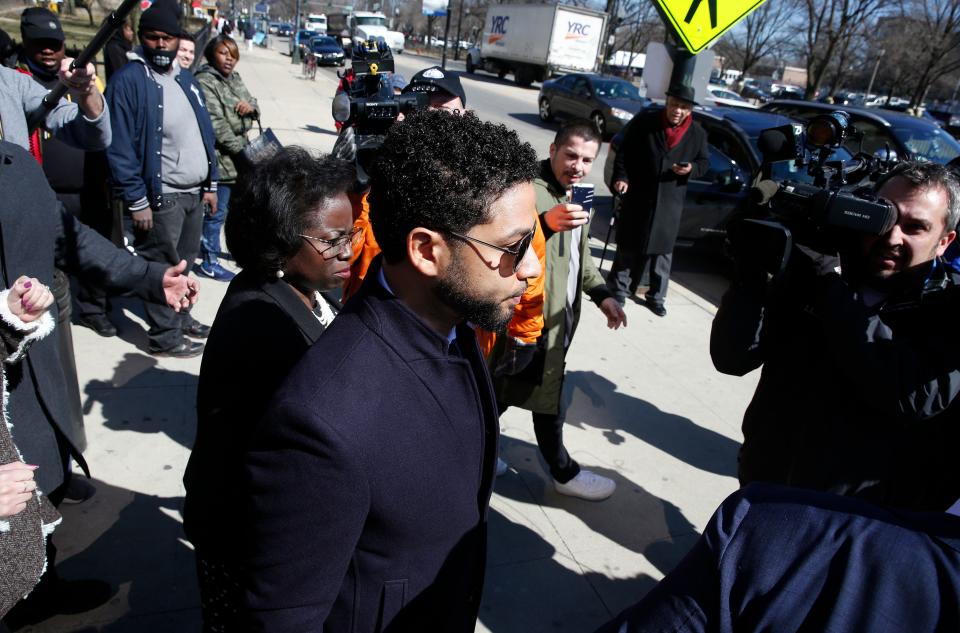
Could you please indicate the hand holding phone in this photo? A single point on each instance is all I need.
(582, 194)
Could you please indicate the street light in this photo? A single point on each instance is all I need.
(873, 76)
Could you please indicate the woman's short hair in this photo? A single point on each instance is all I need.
(272, 204)
(213, 44)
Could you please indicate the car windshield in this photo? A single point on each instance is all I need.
(371, 21)
(615, 89)
(324, 41)
(927, 141)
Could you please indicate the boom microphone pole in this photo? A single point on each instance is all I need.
(109, 26)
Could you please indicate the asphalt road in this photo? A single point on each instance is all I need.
(502, 101)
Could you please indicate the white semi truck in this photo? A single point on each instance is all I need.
(364, 25)
(535, 41)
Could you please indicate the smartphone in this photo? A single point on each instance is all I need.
(582, 194)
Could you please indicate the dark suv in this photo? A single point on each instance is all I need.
(908, 136)
(713, 198)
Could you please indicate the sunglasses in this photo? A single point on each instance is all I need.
(517, 249)
(354, 239)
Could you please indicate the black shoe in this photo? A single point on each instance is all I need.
(656, 308)
(184, 349)
(197, 330)
(99, 323)
(79, 490)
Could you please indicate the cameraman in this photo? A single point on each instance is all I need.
(858, 370)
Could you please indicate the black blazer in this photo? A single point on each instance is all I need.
(261, 330)
(36, 234)
(370, 477)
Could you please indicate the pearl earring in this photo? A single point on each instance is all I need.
(279, 274)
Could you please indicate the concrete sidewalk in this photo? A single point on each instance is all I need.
(644, 406)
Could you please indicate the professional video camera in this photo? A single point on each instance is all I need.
(822, 216)
(369, 104)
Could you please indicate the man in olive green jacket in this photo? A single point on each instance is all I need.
(570, 271)
(232, 111)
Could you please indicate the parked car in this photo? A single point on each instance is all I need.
(285, 29)
(327, 50)
(610, 102)
(273, 28)
(720, 95)
(908, 136)
(787, 92)
(752, 91)
(721, 194)
(300, 39)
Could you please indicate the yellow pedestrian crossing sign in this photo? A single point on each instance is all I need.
(699, 22)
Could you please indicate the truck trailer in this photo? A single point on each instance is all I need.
(535, 41)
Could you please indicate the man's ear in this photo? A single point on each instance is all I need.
(426, 251)
(945, 242)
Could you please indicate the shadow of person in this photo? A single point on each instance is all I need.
(531, 591)
(632, 517)
(135, 543)
(618, 413)
(145, 398)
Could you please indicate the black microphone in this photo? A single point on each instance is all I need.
(771, 142)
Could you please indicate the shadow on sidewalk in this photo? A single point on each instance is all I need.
(534, 592)
(619, 413)
(632, 517)
(145, 398)
(135, 543)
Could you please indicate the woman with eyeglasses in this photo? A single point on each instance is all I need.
(290, 228)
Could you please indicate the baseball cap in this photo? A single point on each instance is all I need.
(37, 23)
(433, 79)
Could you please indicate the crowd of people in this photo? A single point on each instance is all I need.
(392, 305)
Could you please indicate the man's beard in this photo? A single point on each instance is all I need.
(453, 291)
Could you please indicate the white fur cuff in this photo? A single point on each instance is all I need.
(34, 331)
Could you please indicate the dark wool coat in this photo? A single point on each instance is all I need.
(36, 234)
(23, 536)
(267, 316)
(654, 202)
(370, 476)
(783, 559)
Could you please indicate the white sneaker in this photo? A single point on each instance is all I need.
(587, 485)
(501, 467)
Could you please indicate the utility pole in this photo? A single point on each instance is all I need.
(456, 51)
(295, 53)
(446, 36)
(873, 76)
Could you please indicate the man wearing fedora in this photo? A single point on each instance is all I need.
(660, 152)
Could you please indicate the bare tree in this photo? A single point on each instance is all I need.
(760, 34)
(935, 25)
(829, 26)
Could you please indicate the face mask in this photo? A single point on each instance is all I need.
(159, 59)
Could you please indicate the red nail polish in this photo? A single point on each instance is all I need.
(28, 284)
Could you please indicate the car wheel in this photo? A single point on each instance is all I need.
(545, 114)
(501, 73)
(600, 123)
(470, 66)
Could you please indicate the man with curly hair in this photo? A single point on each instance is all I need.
(371, 471)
